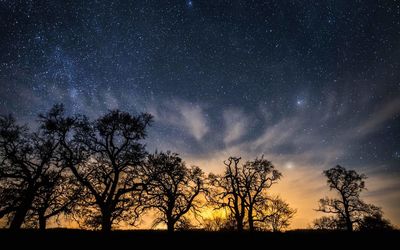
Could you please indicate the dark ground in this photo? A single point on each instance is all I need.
(78, 239)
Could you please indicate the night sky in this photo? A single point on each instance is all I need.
(309, 84)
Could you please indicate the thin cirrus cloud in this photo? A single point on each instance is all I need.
(194, 120)
(379, 117)
(279, 134)
(236, 124)
(185, 116)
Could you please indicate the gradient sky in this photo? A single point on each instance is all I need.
(309, 84)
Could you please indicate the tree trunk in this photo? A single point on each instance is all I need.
(170, 226)
(19, 218)
(239, 223)
(251, 220)
(42, 222)
(349, 223)
(20, 213)
(251, 224)
(106, 222)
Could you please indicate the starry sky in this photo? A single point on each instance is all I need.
(309, 84)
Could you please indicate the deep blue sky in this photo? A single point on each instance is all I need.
(307, 83)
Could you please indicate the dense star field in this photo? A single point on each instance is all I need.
(309, 84)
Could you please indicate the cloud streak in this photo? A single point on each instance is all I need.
(236, 123)
(185, 116)
(379, 117)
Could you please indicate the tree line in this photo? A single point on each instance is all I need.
(99, 174)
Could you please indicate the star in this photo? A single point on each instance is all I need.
(300, 102)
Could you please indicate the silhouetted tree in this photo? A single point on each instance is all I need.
(228, 192)
(329, 223)
(105, 157)
(375, 222)
(219, 223)
(348, 206)
(276, 216)
(258, 176)
(28, 162)
(58, 195)
(243, 189)
(171, 189)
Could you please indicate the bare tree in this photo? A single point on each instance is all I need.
(329, 223)
(228, 191)
(58, 195)
(348, 205)
(27, 162)
(219, 223)
(258, 176)
(243, 189)
(276, 215)
(105, 157)
(171, 189)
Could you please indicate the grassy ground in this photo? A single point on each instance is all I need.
(78, 239)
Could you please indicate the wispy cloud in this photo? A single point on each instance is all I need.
(194, 120)
(378, 117)
(280, 133)
(235, 125)
(189, 117)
